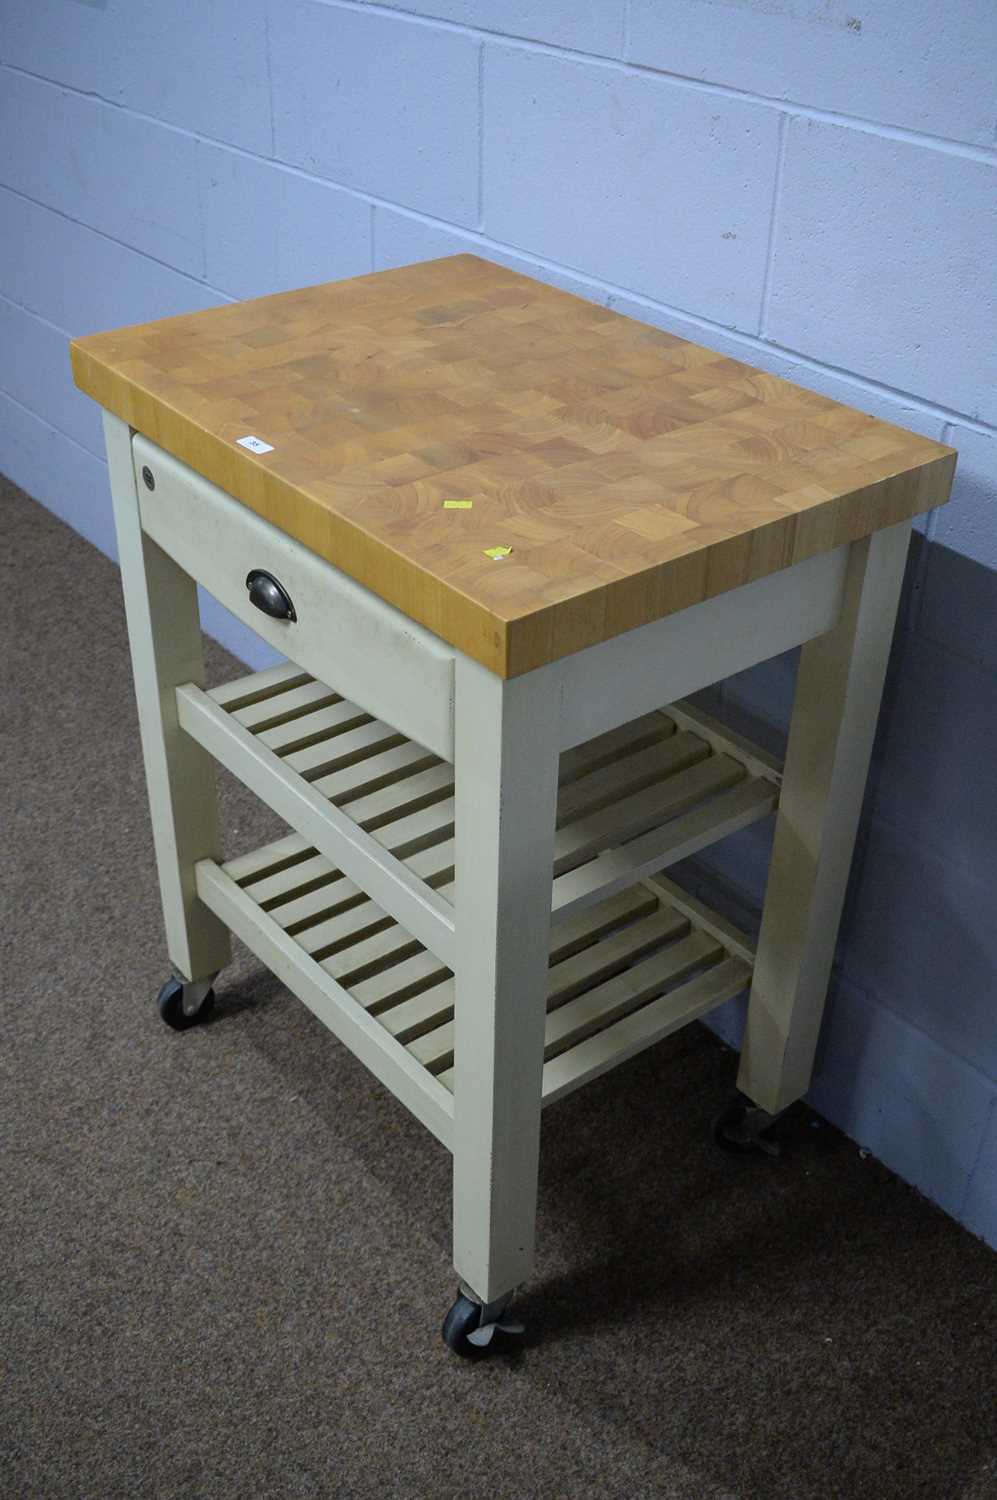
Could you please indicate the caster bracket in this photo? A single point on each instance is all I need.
(186, 1002)
(742, 1128)
(470, 1326)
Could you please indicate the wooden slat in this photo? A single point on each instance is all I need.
(594, 965)
(395, 983)
(328, 899)
(294, 702)
(346, 928)
(297, 875)
(598, 1008)
(273, 887)
(739, 943)
(626, 739)
(290, 879)
(607, 1049)
(726, 741)
(336, 753)
(430, 1010)
(631, 773)
(434, 865)
(388, 815)
(634, 815)
(587, 927)
(615, 868)
(312, 730)
(260, 685)
(425, 1024)
(268, 858)
(380, 768)
(312, 908)
(379, 951)
(331, 1003)
(402, 798)
(419, 830)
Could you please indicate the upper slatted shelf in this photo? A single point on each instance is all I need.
(630, 802)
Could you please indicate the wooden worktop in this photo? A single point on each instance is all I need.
(630, 472)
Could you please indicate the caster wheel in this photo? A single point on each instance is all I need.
(466, 1334)
(177, 1015)
(462, 1319)
(742, 1129)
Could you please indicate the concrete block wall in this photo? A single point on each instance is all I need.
(806, 184)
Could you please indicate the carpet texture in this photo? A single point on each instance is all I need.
(226, 1253)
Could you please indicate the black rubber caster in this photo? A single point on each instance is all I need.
(465, 1332)
(742, 1129)
(462, 1319)
(178, 1015)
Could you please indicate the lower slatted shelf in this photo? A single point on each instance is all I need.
(624, 972)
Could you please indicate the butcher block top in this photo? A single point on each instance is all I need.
(523, 472)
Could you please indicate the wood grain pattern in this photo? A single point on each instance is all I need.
(631, 473)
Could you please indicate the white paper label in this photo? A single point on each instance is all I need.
(255, 445)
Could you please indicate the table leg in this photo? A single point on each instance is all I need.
(506, 797)
(165, 639)
(838, 694)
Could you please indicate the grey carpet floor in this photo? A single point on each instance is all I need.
(226, 1253)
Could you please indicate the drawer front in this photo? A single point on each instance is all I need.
(343, 634)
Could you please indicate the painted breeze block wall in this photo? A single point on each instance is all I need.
(808, 185)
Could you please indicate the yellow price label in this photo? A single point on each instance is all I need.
(458, 504)
(497, 553)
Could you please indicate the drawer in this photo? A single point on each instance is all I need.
(343, 634)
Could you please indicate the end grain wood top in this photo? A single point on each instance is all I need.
(630, 473)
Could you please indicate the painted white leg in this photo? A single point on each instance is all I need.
(838, 694)
(165, 638)
(506, 799)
